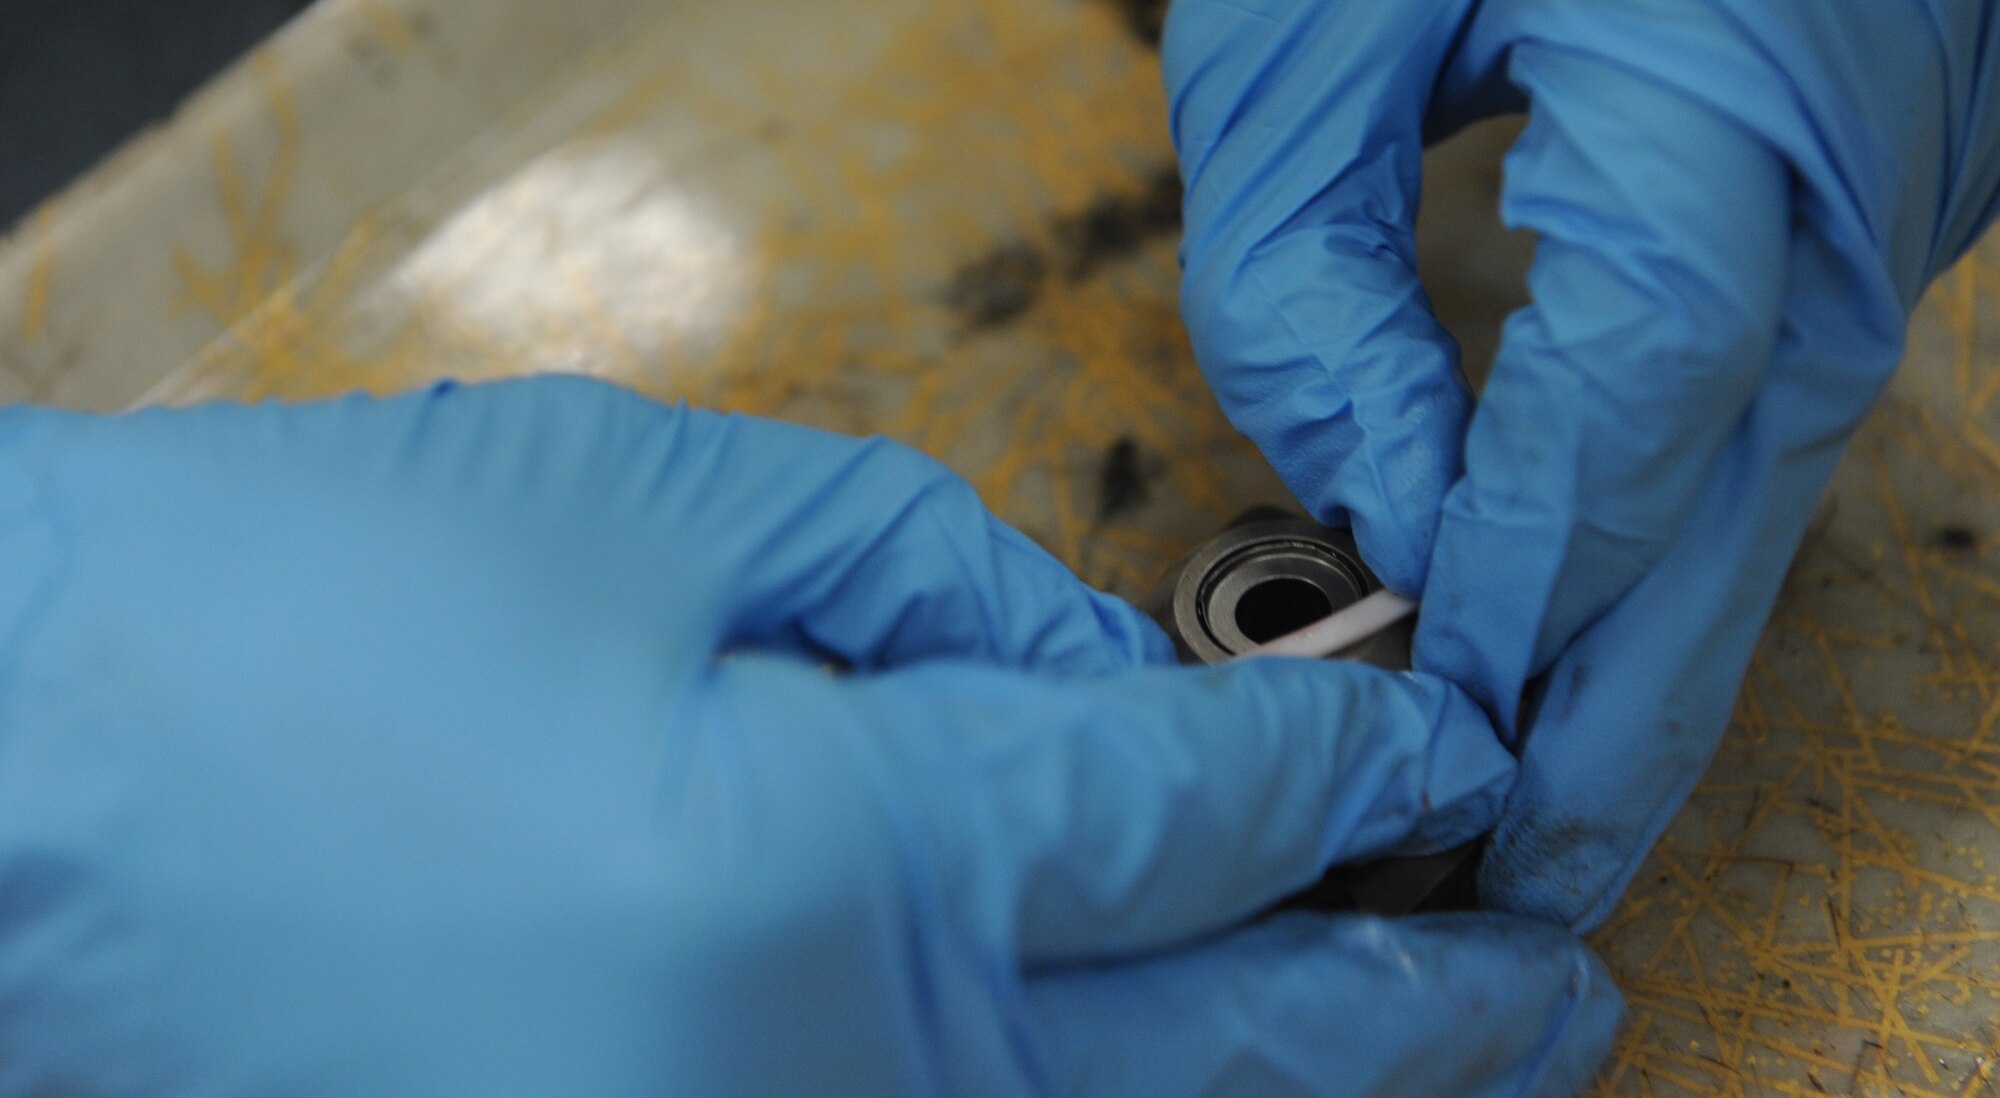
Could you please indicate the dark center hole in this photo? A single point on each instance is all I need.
(1280, 606)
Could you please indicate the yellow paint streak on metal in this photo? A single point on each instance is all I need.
(1981, 1077)
(35, 315)
(260, 258)
(388, 26)
(1957, 295)
(1919, 588)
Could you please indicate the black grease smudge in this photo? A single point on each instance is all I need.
(1955, 537)
(1006, 282)
(1115, 226)
(998, 286)
(1122, 483)
(1147, 19)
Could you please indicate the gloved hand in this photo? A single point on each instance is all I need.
(484, 741)
(1738, 205)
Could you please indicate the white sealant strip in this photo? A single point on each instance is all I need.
(1341, 630)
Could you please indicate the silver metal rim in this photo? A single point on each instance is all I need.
(1212, 585)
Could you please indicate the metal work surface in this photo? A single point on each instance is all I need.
(953, 222)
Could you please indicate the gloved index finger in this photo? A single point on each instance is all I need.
(1300, 130)
(1113, 815)
(859, 549)
(1658, 289)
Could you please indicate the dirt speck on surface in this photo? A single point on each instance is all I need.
(1006, 281)
(1122, 483)
(1955, 538)
(998, 286)
(1146, 18)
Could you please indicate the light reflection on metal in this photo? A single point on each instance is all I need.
(595, 230)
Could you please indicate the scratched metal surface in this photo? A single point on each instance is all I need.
(952, 221)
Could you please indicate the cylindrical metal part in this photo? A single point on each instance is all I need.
(1267, 575)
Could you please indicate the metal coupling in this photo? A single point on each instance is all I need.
(1269, 574)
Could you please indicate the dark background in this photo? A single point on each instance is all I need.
(78, 77)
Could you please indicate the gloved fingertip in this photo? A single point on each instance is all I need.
(1400, 557)
(1581, 1029)
(1577, 1052)
(1130, 630)
(1469, 778)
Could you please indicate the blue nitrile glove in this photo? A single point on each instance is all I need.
(1738, 203)
(484, 741)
